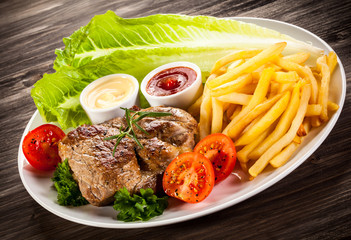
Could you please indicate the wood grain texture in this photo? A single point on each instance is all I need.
(313, 202)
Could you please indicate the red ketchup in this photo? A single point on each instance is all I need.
(171, 81)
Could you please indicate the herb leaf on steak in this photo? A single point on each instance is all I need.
(131, 120)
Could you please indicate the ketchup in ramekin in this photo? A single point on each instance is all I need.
(176, 84)
(171, 81)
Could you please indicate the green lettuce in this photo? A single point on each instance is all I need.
(110, 44)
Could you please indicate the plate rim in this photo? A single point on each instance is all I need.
(122, 225)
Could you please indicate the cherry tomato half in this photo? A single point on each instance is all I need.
(220, 150)
(40, 147)
(189, 177)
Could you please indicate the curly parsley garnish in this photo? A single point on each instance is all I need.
(132, 120)
(138, 207)
(68, 193)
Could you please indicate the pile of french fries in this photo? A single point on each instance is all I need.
(265, 102)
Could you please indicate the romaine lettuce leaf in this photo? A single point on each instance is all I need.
(110, 44)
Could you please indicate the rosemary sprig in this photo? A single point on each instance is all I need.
(132, 120)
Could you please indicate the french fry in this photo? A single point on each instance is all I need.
(274, 89)
(301, 132)
(240, 125)
(250, 65)
(263, 161)
(297, 139)
(332, 106)
(256, 77)
(312, 80)
(314, 69)
(285, 87)
(267, 120)
(205, 114)
(313, 110)
(307, 125)
(236, 112)
(248, 89)
(272, 65)
(258, 96)
(304, 72)
(267, 65)
(236, 98)
(282, 126)
(332, 60)
(315, 122)
(233, 86)
(324, 88)
(234, 57)
(286, 77)
(259, 71)
(217, 116)
(252, 123)
(194, 109)
(220, 71)
(236, 64)
(242, 155)
(212, 76)
(299, 58)
(244, 167)
(281, 158)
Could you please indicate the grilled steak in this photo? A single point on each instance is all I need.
(100, 174)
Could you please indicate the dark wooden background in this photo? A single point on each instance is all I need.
(313, 202)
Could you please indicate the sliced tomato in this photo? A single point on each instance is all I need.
(40, 147)
(220, 150)
(189, 177)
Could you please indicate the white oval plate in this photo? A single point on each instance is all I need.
(224, 195)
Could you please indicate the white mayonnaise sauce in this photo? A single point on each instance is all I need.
(109, 92)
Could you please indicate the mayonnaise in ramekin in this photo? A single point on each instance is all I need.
(103, 98)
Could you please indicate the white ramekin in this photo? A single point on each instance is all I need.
(101, 115)
(182, 99)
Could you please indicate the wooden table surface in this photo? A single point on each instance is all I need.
(313, 202)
